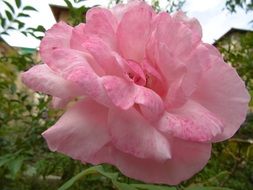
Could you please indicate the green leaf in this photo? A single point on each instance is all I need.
(79, 176)
(3, 22)
(110, 175)
(25, 33)
(15, 165)
(123, 186)
(92, 170)
(8, 14)
(153, 187)
(23, 15)
(4, 159)
(20, 24)
(11, 28)
(10, 6)
(69, 4)
(4, 33)
(29, 8)
(40, 28)
(18, 3)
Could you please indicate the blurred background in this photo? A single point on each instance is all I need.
(25, 161)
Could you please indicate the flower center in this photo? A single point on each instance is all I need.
(135, 73)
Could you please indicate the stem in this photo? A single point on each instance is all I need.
(79, 176)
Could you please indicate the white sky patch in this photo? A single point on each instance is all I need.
(202, 5)
(214, 19)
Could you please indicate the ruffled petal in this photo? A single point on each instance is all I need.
(120, 9)
(41, 78)
(191, 122)
(103, 55)
(178, 37)
(192, 23)
(134, 31)
(57, 37)
(172, 55)
(80, 132)
(63, 61)
(125, 94)
(101, 22)
(187, 159)
(132, 134)
(223, 93)
(59, 103)
(78, 37)
(79, 67)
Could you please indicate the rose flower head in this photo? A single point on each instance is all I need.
(152, 97)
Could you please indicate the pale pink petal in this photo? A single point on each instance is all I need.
(63, 61)
(191, 122)
(132, 134)
(182, 73)
(134, 31)
(175, 96)
(101, 22)
(80, 132)
(103, 55)
(177, 36)
(78, 37)
(79, 67)
(41, 78)
(223, 93)
(120, 9)
(57, 37)
(111, 62)
(150, 69)
(187, 159)
(192, 23)
(135, 72)
(125, 94)
(204, 55)
(173, 71)
(59, 103)
(154, 79)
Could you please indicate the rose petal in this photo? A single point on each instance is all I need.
(59, 103)
(182, 74)
(80, 132)
(223, 93)
(132, 134)
(177, 36)
(120, 9)
(187, 159)
(125, 94)
(134, 31)
(192, 23)
(103, 55)
(101, 22)
(78, 37)
(75, 66)
(41, 78)
(191, 122)
(57, 37)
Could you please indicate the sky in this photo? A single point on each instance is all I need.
(215, 20)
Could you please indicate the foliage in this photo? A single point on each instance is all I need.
(77, 15)
(244, 4)
(26, 163)
(172, 5)
(12, 19)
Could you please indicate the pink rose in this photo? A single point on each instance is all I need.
(152, 97)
